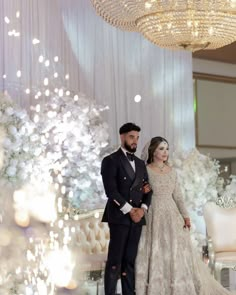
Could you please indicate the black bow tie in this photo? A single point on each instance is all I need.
(130, 156)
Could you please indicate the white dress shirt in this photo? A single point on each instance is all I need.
(132, 163)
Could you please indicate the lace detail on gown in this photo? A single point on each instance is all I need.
(167, 263)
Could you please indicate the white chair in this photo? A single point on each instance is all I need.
(220, 221)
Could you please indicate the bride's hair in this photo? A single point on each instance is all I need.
(155, 141)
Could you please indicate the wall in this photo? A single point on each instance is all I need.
(224, 104)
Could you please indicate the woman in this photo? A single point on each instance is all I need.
(166, 263)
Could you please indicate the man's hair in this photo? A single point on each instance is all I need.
(127, 127)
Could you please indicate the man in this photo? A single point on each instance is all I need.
(129, 195)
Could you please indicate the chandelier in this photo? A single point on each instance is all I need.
(174, 24)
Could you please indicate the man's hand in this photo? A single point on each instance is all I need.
(146, 188)
(187, 223)
(136, 214)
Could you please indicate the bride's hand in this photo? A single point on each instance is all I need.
(146, 188)
(187, 223)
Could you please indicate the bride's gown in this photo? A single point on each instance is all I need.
(166, 263)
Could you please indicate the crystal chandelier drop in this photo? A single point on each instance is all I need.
(174, 24)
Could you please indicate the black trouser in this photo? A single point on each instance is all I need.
(122, 252)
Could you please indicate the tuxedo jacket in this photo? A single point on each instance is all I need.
(122, 184)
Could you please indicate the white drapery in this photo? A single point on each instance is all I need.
(106, 64)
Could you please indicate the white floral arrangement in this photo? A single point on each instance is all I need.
(198, 176)
(20, 143)
(231, 186)
(2, 135)
(75, 138)
(199, 182)
(227, 197)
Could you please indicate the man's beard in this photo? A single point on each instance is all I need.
(129, 148)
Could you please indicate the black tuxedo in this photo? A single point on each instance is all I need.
(122, 185)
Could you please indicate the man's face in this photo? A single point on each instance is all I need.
(130, 140)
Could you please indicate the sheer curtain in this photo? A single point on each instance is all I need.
(106, 64)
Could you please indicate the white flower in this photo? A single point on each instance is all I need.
(37, 152)
(22, 131)
(29, 167)
(20, 114)
(15, 147)
(9, 111)
(34, 137)
(22, 175)
(11, 171)
(12, 130)
(22, 165)
(26, 148)
(7, 142)
(13, 162)
(17, 137)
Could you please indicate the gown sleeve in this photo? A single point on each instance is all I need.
(178, 198)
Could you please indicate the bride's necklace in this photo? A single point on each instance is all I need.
(161, 167)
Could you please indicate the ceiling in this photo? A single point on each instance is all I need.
(225, 54)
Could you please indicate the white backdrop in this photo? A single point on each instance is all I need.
(108, 65)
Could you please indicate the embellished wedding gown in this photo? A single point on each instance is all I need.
(166, 263)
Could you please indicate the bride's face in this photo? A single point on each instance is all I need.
(162, 152)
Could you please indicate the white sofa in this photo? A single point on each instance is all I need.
(92, 240)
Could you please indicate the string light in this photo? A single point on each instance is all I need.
(45, 81)
(35, 41)
(137, 98)
(47, 63)
(60, 92)
(47, 92)
(37, 108)
(63, 189)
(6, 19)
(71, 194)
(36, 118)
(56, 186)
(96, 215)
(41, 58)
(18, 74)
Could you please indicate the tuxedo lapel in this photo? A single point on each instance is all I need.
(138, 174)
(125, 163)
